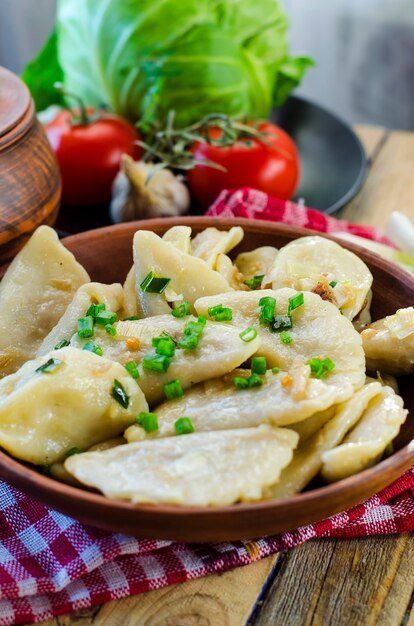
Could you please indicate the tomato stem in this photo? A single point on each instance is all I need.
(83, 117)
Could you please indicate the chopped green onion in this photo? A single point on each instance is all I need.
(105, 317)
(267, 306)
(189, 342)
(259, 365)
(148, 421)
(285, 337)
(173, 389)
(255, 282)
(63, 343)
(132, 369)
(192, 333)
(50, 366)
(320, 367)
(111, 330)
(181, 310)
(220, 313)
(119, 394)
(248, 334)
(85, 327)
(281, 322)
(254, 380)
(73, 451)
(94, 309)
(333, 283)
(183, 426)
(131, 318)
(164, 345)
(240, 382)
(275, 370)
(154, 284)
(295, 302)
(156, 362)
(91, 346)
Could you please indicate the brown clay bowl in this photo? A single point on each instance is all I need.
(106, 254)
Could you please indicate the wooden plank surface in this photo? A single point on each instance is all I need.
(360, 582)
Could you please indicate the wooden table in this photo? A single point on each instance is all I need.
(359, 582)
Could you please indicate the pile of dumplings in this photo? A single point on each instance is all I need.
(272, 393)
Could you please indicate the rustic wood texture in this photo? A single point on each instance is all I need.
(326, 582)
(29, 173)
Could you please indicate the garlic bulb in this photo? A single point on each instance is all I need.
(164, 195)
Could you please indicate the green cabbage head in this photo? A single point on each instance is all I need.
(143, 58)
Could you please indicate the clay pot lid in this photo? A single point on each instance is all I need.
(15, 101)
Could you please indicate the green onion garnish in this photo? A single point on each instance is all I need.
(275, 370)
(131, 318)
(164, 345)
(259, 365)
(183, 426)
(267, 306)
(189, 342)
(94, 309)
(192, 333)
(73, 451)
(91, 346)
(154, 284)
(281, 322)
(50, 366)
(220, 313)
(240, 382)
(254, 380)
(148, 421)
(132, 369)
(333, 283)
(119, 394)
(63, 343)
(295, 302)
(111, 330)
(255, 282)
(173, 389)
(285, 337)
(105, 317)
(181, 310)
(85, 327)
(320, 367)
(248, 334)
(156, 362)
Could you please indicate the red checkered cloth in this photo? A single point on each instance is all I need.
(51, 564)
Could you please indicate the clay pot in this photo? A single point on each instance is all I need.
(29, 173)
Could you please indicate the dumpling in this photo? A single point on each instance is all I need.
(218, 405)
(318, 331)
(198, 469)
(307, 460)
(322, 266)
(92, 293)
(308, 427)
(258, 262)
(225, 267)
(220, 350)
(131, 303)
(389, 343)
(180, 237)
(34, 293)
(190, 277)
(378, 426)
(211, 242)
(79, 399)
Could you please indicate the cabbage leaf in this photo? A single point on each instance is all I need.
(143, 58)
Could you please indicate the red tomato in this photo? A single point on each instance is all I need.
(89, 155)
(271, 165)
